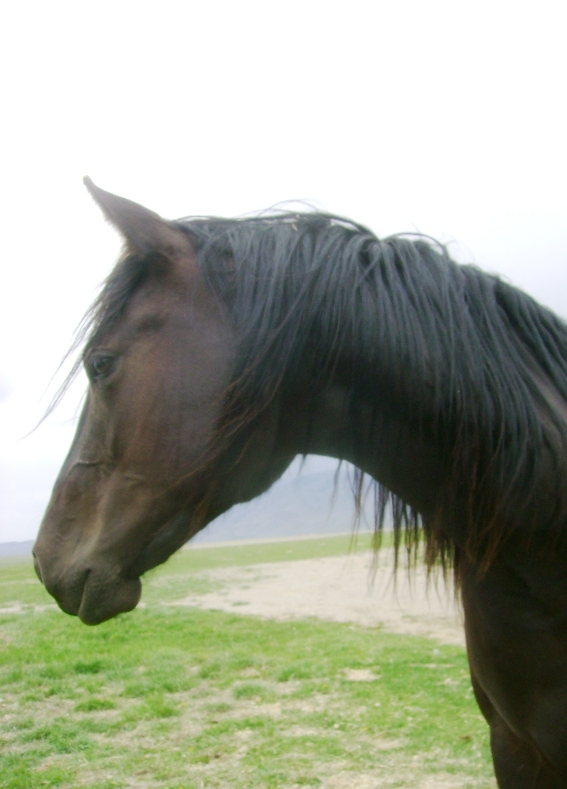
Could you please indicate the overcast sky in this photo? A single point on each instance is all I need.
(443, 117)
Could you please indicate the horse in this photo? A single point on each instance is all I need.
(218, 350)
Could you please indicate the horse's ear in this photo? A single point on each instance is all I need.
(144, 231)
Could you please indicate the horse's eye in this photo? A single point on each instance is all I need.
(100, 365)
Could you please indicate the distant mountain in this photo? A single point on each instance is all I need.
(305, 504)
(16, 548)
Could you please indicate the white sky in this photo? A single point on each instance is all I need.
(443, 117)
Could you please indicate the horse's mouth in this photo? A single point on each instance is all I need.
(97, 587)
(105, 597)
(92, 594)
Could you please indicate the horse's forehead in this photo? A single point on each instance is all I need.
(161, 297)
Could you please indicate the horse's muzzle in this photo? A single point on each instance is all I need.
(94, 594)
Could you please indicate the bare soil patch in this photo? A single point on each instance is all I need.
(338, 589)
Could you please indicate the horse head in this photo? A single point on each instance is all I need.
(147, 468)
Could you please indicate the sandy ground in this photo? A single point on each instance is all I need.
(338, 589)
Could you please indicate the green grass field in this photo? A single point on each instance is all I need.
(182, 698)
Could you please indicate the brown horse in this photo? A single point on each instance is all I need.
(220, 349)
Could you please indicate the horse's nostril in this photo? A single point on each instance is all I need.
(37, 567)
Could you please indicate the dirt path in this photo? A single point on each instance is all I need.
(337, 589)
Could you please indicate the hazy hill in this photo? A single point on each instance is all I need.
(306, 504)
(16, 548)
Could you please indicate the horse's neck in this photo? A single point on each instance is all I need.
(405, 454)
(380, 441)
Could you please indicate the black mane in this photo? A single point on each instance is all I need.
(452, 343)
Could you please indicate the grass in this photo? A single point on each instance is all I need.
(182, 698)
